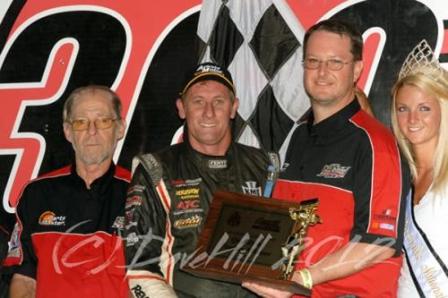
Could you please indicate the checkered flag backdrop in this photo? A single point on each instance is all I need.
(259, 41)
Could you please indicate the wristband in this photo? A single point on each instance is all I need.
(307, 280)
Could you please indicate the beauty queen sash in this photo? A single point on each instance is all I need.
(429, 273)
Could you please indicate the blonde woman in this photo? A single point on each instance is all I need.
(419, 120)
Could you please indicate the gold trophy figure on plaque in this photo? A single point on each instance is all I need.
(304, 216)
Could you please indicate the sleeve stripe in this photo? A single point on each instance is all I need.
(166, 257)
(385, 161)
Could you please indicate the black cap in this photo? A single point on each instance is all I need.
(208, 71)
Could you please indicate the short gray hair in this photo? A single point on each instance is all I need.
(78, 92)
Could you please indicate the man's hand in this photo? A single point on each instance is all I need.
(22, 286)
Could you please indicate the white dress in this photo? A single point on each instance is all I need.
(431, 214)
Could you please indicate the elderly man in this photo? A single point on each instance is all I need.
(171, 190)
(351, 162)
(68, 220)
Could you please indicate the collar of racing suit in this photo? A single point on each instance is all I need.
(209, 161)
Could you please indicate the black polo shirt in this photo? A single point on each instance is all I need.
(57, 212)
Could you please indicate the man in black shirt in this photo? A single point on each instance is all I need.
(66, 240)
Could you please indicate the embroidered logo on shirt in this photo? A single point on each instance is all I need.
(186, 182)
(118, 222)
(188, 206)
(217, 163)
(133, 201)
(191, 193)
(132, 239)
(333, 170)
(251, 188)
(386, 226)
(136, 188)
(189, 222)
(48, 218)
(138, 292)
(385, 220)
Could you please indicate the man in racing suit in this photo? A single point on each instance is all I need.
(171, 191)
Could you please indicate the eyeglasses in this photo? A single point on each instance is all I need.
(84, 124)
(331, 64)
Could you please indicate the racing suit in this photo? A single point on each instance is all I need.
(168, 201)
(66, 236)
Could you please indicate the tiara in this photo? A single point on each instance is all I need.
(420, 60)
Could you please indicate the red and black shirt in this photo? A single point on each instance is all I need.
(351, 163)
(68, 234)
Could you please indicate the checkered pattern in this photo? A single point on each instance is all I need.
(259, 42)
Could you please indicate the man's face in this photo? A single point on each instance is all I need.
(326, 87)
(93, 145)
(208, 108)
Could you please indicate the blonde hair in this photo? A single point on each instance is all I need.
(364, 101)
(432, 80)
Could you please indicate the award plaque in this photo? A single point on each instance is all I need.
(253, 238)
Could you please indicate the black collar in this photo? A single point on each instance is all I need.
(99, 185)
(334, 123)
